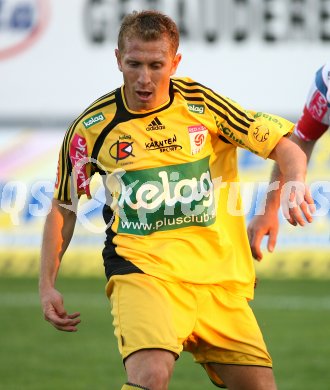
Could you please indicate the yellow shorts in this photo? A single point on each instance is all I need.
(213, 324)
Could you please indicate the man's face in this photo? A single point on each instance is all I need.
(147, 67)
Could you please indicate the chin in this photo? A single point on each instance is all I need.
(146, 106)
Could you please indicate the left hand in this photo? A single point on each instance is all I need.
(297, 203)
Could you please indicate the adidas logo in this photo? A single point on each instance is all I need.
(155, 124)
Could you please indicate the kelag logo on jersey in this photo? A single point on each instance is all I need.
(21, 23)
(165, 198)
(197, 108)
(93, 120)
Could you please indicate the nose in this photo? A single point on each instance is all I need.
(144, 76)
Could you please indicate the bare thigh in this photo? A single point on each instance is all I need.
(238, 377)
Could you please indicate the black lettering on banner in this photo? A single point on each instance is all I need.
(325, 20)
(213, 21)
(96, 21)
(241, 20)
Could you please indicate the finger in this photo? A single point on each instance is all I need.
(249, 233)
(306, 211)
(302, 205)
(272, 239)
(255, 245)
(285, 208)
(310, 201)
(312, 208)
(68, 320)
(67, 328)
(291, 209)
(251, 237)
(296, 216)
(56, 308)
(71, 326)
(67, 325)
(74, 315)
(302, 213)
(297, 209)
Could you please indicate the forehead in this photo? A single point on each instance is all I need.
(139, 49)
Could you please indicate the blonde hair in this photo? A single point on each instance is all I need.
(148, 26)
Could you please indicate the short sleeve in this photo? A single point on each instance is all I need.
(74, 167)
(315, 118)
(258, 132)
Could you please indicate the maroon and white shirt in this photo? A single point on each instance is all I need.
(315, 119)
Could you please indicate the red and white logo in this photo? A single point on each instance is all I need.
(121, 150)
(57, 182)
(197, 136)
(318, 106)
(79, 159)
(199, 139)
(22, 22)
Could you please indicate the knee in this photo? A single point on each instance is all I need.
(153, 371)
(157, 376)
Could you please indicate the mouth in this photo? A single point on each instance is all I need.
(144, 95)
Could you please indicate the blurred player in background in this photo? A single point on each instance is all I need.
(178, 263)
(314, 121)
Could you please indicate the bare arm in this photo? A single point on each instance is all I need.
(273, 199)
(290, 168)
(58, 230)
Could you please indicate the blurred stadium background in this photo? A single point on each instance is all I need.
(57, 56)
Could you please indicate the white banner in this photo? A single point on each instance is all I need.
(57, 56)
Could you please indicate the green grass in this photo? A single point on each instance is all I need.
(293, 314)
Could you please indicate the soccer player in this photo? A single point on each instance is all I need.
(314, 121)
(177, 257)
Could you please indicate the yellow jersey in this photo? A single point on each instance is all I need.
(170, 176)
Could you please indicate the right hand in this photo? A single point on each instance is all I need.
(260, 226)
(54, 312)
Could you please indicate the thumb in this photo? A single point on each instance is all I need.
(59, 306)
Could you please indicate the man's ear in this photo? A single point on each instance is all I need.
(117, 54)
(175, 64)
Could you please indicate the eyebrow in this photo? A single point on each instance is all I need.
(157, 61)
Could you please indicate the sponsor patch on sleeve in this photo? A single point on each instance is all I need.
(79, 159)
(318, 106)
